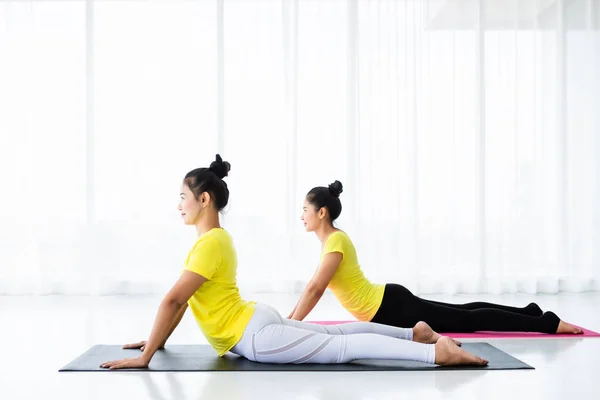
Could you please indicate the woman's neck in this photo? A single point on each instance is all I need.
(324, 232)
(207, 222)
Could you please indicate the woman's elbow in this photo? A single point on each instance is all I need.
(316, 290)
(174, 301)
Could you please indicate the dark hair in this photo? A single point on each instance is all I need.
(210, 180)
(328, 197)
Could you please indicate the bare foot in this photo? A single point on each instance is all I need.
(423, 333)
(563, 327)
(447, 353)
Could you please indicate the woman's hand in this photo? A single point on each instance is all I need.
(169, 312)
(140, 345)
(138, 362)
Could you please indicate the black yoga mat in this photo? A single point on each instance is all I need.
(204, 358)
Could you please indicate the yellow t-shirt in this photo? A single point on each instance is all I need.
(217, 305)
(349, 285)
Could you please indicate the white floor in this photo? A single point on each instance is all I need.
(39, 335)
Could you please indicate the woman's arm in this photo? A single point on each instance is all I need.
(142, 345)
(178, 319)
(165, 320)
(317, 285)
(295, 307)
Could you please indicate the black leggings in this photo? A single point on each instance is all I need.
(401, 308)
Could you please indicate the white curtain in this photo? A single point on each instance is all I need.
(466, 133)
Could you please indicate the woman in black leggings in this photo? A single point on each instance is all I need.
(399, 307)
(393, 304)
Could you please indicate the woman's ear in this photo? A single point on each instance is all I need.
(204, 198)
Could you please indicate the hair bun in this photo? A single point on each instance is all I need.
(336, 188)
(219, 167)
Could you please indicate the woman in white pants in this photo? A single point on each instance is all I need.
(207, 286)
(270, 338)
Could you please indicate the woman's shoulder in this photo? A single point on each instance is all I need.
(212, 238)
(341, 236)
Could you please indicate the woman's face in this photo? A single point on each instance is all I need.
(188, 206)
(310, 217)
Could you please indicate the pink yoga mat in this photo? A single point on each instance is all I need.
(491, 335)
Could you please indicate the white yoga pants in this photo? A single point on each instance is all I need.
(270, 338)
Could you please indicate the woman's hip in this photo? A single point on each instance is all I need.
(264, 315)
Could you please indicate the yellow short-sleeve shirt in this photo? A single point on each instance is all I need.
(349, 285)
(217, 305)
